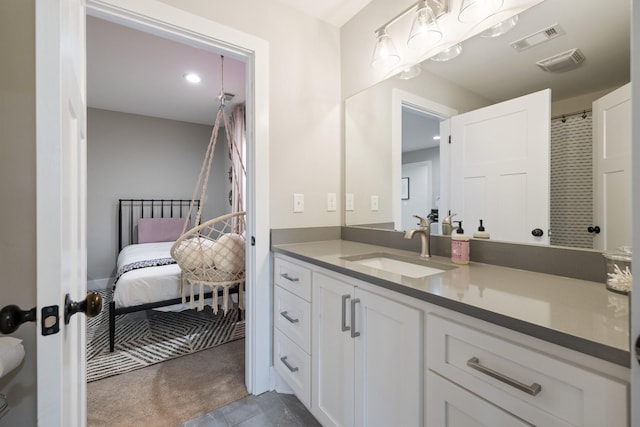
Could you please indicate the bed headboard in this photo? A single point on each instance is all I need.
(130, 210)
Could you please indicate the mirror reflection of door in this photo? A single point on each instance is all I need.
(612, 169)
(420, 163)
(500, 168)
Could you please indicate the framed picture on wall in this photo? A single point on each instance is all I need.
(404, 189)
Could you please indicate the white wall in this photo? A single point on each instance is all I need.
(133, 156)
(305, 108)
(18, 195)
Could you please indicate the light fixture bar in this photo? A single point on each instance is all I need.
(439, 8)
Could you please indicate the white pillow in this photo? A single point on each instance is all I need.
(228, 253)
(198, 252)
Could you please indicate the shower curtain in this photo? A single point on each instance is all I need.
(571, 180)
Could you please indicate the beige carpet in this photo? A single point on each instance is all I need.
(169, 393)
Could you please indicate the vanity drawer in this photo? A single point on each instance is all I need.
(452, 405)
(292, 315)
(521, 380)
(294, 365)
(293, 277)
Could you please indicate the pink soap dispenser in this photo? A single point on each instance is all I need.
(459, 246)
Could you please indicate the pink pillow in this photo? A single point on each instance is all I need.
(152, 230)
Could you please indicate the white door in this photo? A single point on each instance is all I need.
(612, 169)
(332, 352)
(61, 200)
(500, 168)
(389, 369)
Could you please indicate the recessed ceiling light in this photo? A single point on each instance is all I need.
(192, 78)
(437, 137)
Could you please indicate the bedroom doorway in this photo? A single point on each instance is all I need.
(179, 27)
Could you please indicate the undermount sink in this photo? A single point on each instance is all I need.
(399, 265)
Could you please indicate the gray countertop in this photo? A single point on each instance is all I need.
(577, 314)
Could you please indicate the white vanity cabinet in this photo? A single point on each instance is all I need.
(292, 321)
(367, 361)
(357, 354)
(474, 375)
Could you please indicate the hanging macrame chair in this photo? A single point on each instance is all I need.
(212, 254)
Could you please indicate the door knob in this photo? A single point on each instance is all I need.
(595, 229)
(11, 317)
(91, 306)
(537, 232)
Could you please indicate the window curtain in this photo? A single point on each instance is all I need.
(237, 152)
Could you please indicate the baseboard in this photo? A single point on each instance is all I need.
(98, 284)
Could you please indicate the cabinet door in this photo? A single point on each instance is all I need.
(451, 406)
(388, 362)
(332, 352)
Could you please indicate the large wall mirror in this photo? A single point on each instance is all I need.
(395, 165)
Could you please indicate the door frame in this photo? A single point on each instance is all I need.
(181, 26)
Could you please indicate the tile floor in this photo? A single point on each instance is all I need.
(268, 409)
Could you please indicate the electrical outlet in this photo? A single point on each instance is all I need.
(331, 202)
(374, 203)
(298, 202)
(348, 203)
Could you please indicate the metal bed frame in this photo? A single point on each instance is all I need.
(129, 211)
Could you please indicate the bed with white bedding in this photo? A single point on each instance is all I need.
(146, 275)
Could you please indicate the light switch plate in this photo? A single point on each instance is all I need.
(374, 203)
(298, 202)
(331, 202)
(348, 203)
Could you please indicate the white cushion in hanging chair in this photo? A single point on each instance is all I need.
(196, 253)
(228, 253)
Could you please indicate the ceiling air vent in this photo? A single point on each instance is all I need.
(537, 38)
(562, 62)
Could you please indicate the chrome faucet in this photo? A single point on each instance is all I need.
(424, 230)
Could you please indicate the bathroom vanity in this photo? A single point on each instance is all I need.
(362, 345)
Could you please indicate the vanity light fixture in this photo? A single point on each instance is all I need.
(385, 53)
(425, 32)
(448, 53)
(192, 78)
(474, 11)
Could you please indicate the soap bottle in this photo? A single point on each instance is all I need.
(481, 233)
(459, 246)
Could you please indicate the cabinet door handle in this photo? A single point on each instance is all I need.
(283, 359)
(289, 318)
(532, 389)
(353, 318)
(344, 313)
(289, 278)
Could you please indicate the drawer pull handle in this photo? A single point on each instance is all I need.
(344, 312)
(289, 278)
(283, 359)
(353, 318)
(289, 318)
(532, 389)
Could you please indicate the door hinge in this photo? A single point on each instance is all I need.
(449, 139)
(253, 241)
(50, 320)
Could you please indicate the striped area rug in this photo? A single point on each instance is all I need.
(149, 337)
